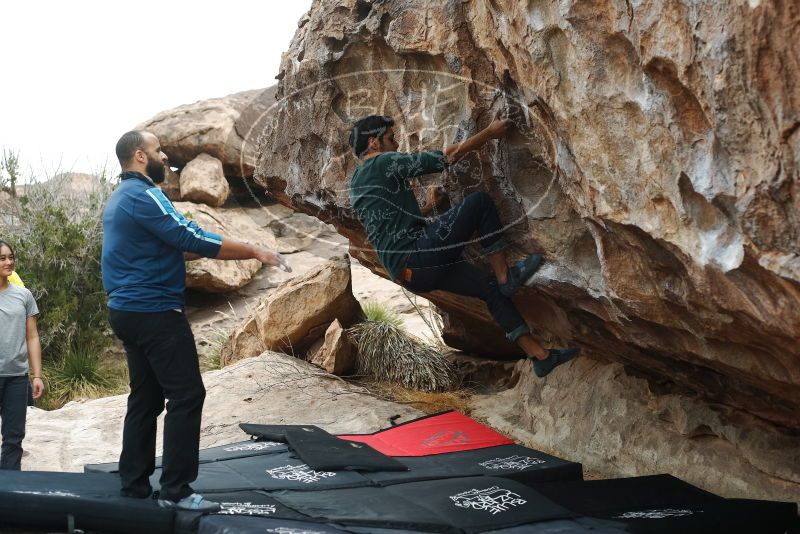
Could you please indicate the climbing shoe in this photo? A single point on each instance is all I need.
(194, 502)
(519, 273)
(543, 368)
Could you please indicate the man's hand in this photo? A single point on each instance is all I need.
(499, 128)
(232, 249)
(433, 199)
(272, 258)
(435, 195)
(495, 130)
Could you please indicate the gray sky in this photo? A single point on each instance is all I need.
(78, 74)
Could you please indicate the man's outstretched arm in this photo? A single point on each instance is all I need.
(495, 130)
(239, 250)
(156, 213)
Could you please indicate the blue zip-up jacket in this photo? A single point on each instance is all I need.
(144, 238)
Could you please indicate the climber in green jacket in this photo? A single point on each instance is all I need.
(424, 255)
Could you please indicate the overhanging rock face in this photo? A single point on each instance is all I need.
(655, 163)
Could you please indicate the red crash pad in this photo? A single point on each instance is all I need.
(434, 434)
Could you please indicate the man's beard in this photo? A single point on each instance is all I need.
(155, 170)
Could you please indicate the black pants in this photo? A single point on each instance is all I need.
(13, 408)
(437, 261)
(162, 361)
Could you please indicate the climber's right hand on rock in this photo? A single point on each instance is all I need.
(499, 127)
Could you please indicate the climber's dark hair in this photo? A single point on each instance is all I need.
(128, 144)
(363, 129)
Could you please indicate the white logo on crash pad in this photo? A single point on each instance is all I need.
(515, 462)
(255, 446)
(299, 473)
(493, 500)
(655, 514)
(246, 508)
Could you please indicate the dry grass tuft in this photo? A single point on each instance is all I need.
(387, 353)
(427, 401)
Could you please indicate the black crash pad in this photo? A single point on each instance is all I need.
(468, 504)
(241, 449)
(323, 451)
(506, 461)
(46, 500)
(267, 472)
(275, 432)
(216, 524)
(253, 504)
(665, 504)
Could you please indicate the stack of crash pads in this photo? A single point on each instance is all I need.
(440, 473)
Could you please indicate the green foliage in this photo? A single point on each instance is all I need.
(381, 313)
(9, 172)
(57, 236)
(80, 374)
(214, 360)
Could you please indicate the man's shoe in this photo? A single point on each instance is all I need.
(519, 273)
(542, 368)
(194, 502)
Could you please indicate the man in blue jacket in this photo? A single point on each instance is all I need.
(144, 241)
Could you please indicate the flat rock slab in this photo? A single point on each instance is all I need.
(272, 389)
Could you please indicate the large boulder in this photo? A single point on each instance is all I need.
(225, 128)
(171, 186)
(202, 180)
(243, 342)
(617, 424)
(336, 354)
(654, 161)
(662, 188)
(222, 276)
(296, 314)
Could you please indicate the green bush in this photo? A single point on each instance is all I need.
(80, 374)
(381, 313)
(56, 232)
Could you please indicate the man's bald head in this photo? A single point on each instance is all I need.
(128, 144)
(139, 150)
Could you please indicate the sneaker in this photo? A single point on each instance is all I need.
(519, 273)
(542, 368)
(194, 502)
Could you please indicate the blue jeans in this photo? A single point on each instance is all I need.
(13, 408)
(437, 261)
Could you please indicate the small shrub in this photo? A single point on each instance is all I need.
(214, 360)
(378, 312)
(57, 237)
(80, 374)
(387, 353)
(9, 171)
